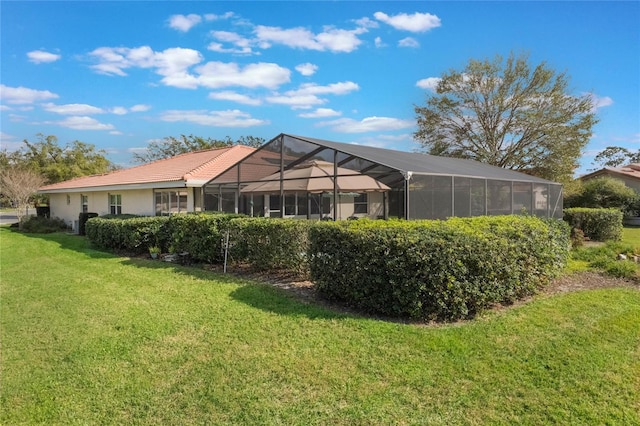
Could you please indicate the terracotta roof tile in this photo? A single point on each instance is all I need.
(192, 167)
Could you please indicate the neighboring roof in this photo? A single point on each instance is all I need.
(630, 170)
(190, 169)
(418, 163)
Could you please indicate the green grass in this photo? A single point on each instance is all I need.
(91, 338)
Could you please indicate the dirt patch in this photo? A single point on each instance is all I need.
(587, 281)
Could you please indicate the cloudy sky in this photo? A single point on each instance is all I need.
(121, 74)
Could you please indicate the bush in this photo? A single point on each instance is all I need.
(42, 225)
(133, 235)
(200, 234)
(270, 243)
(597, 224)
(443, 270)
(604, 192)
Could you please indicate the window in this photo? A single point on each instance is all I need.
(168, 202)
(115, 203)
(84, 201)
(361, 204)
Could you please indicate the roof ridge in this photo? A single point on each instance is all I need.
(215, 159)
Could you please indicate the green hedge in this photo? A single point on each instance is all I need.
(597, 224)
(444, 270)
(201, 235)
(134, 235)
(266, 243)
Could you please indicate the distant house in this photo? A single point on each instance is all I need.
(629, 174)
(172, 185)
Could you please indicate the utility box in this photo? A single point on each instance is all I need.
(82, 221)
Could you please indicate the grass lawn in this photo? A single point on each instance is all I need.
(88, 338)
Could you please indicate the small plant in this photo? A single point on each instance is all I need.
(154, 251)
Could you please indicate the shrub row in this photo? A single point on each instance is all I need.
(597, 224)
(442, 270)
(134, 235)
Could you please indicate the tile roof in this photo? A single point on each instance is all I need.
(630, 170)
(193, 169)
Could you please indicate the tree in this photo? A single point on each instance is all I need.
(171, 146)
(19, 185)
(604, 192)
(509, 115)
(614, 156)
(55, 163)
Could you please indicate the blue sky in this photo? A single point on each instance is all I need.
(121, 74)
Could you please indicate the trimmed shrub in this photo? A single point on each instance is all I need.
(444, 270)
(597, 224)
(134, 235)
(42, 225)
(200, 234)
(271, 243)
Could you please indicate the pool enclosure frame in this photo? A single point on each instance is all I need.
(412, 185)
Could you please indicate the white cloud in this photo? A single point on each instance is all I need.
(341, 88)
(228, 118)
(40, 56)
(214, 17)
(366, 22)
(601, 101)
(115, 132)
(184, 22)
(430, 83)
(234, 97)
(140, 108)
(242, 44)
(82, 123)
(379, 43)
(296, 101)
(9, 142)
(408, 42)
(118, 110)
(306, 96)
(219, 74)
(307, 69)
(331, 39)
(172, 64)
(369, 124)
(416, 23)
(24, 95)
(5, 108)
(73, 109)
(321, 113)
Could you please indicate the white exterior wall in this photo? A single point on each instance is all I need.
(68, 206)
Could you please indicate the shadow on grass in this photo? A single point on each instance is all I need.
(251, 292)
(65, 241)
(278, 301)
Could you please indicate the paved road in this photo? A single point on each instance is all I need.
(10, 217)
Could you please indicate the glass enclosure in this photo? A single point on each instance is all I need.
(307, 178)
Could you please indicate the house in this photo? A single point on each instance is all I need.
(298, 176)
(629, 174)
(172, 185)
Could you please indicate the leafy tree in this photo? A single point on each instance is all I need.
(507, 114)
(55, 163)
(19, 184)
(171, 146)
(614, 156)
(604, 192)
